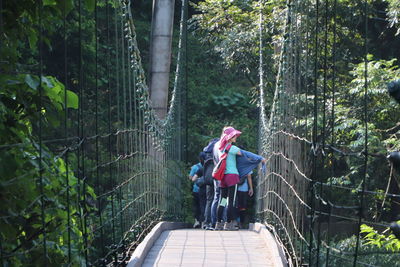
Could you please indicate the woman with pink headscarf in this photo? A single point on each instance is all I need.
(230, 179)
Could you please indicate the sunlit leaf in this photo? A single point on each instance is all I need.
(72, 100)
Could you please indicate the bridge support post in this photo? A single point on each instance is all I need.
(160, 54)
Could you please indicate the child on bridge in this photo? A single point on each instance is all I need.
(198, 193)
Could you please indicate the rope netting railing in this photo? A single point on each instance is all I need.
(90, 168)
(309, 197)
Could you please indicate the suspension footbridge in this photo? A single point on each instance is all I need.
(89, 170)
(195, 247)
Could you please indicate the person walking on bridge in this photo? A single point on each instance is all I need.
(236, 167)
(230, 179)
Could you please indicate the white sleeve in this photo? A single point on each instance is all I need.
(216, 152)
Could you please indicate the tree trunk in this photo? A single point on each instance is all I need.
(160, 54)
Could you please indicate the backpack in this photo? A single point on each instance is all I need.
(208, 169)
(209, 148)
(219, 169)
(208, 164)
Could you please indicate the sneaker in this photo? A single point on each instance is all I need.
(219, 226)
(196, 224)
(209, 227)
(205, 226)
(227, 226)
(234, 226)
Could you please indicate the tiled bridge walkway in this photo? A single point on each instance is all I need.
(195, 247)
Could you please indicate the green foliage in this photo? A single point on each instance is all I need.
(349, 134)
(40, 196)
(22, 104)
(230, 102)
(341, 253)
(32, 178)
(217, 98)
(380, 240)
(22, 24)
(232, 29)
(393, 11)
(382, 110)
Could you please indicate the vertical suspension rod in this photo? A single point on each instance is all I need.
(41, 183)
(332, 119)
(315, 129)
(365, 131)
(66, 131)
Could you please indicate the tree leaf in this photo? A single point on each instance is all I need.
(47, 82)
(31, 82)
(67, 4)
(90, 4)
(54, 93)
(49, 2)
(33, 38)
(72, 100)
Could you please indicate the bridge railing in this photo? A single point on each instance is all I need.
(94, 169)
(317, 206)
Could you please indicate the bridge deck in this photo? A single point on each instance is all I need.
(194, 247)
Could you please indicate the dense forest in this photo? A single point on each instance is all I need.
(41, 98)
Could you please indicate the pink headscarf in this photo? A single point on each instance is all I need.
(228, 134)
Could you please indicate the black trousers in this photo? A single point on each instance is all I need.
(209, 200)
(226, 192)
(202, 202)
(199, 202)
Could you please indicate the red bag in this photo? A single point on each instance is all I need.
(219, 169)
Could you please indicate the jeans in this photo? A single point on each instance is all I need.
(214, 205)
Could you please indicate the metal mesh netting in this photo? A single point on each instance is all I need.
(103, 169)
(316, 219)
(281, 193)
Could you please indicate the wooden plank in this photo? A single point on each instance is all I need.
(195, 247)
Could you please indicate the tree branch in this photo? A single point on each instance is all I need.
(392, 130)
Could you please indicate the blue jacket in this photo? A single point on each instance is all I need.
(247, 162)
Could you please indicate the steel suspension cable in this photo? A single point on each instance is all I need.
(332, 143)
(40, 73)
(66, 132)
(365, 165)
(325, 79)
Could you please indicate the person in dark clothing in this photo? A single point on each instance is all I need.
(198, 193)
(208, 168)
